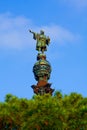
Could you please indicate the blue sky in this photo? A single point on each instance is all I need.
(65, 22)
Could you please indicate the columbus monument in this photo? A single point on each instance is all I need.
(42, 68)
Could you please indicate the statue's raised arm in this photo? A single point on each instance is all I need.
(31, 31)
(34, 34)
(42, 40)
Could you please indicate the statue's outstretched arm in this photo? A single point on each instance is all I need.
(34, 34)
(31, 31)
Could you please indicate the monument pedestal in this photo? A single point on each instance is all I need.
(42, 89)
(42, 70)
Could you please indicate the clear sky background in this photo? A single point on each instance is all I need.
(65, 22)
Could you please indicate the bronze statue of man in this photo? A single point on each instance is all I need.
(42, 40)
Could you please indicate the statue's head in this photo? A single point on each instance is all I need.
(41, 32)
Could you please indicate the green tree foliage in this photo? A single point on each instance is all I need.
(58, 112)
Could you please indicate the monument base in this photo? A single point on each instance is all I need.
(42, 89)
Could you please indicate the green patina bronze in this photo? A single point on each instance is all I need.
(42, 68)
(42, 40)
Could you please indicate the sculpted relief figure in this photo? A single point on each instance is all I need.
(41, 40)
